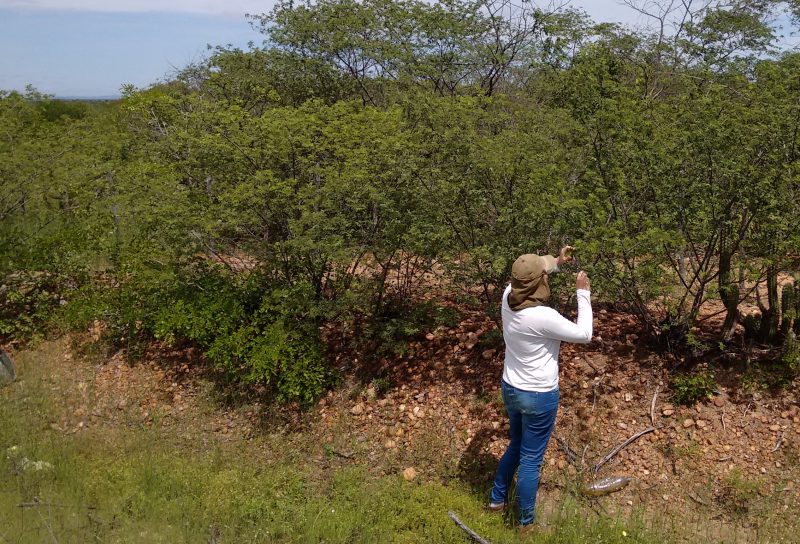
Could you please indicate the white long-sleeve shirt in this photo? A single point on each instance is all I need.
(533, 339)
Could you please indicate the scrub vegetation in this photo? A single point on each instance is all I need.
(302, 213)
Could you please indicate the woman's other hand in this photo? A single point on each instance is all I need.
(582, 281)
(565, 256)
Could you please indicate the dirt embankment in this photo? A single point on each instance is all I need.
(437, 410)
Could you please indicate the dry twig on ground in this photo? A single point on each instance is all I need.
(653, 408)
(780, 441)
(619, 448)
(472, 534)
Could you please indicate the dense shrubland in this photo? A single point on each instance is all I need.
(370, 152)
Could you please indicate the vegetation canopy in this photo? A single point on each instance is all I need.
(374, 156)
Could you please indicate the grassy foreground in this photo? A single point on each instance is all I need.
(131, 483)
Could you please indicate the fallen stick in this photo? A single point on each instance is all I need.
(698, 500)
(653, 408)
(36, 504)
(619, 448)
(342, 454)
(572, 457)
(472, 534)
(722, 417)
(778, 445)
(591, 364)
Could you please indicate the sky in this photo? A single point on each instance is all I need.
(90, 48)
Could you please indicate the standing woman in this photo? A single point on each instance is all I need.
(533, 333)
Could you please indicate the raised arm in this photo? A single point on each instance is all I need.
(561, 328)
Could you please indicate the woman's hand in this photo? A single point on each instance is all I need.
(582, 282)
(565, 256)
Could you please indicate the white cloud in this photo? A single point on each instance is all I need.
(206, 7)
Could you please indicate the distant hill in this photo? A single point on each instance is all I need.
(88, 98)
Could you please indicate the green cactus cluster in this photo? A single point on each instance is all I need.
(790, 310)
(790, 327)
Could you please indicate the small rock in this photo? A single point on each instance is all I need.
(628, 397)
(488, 354)
(390, 444)
(562, 464)
(701, 424)
(667, 411)
(774, 427)
(357, 410)
(763, 470)
(409, 474)
(719, 402)
(383, 402)
(688, 423)
(429, 336)
(622, 425)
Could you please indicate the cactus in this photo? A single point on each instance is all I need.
(796, 307)
(788, 309)
(790, 356)
(752, 324)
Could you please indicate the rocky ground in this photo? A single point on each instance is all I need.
(436, 413)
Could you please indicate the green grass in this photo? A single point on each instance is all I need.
(139, 484)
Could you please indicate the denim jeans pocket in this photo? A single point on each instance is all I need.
(537, 402)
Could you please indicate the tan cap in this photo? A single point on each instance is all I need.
(528, 289)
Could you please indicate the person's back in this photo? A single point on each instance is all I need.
(533, 339)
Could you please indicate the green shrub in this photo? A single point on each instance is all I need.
(694, 387)
(257, 334)
(27, 300)
(737, 493)
(400, 322)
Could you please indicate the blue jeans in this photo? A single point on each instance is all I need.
(532, 416)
